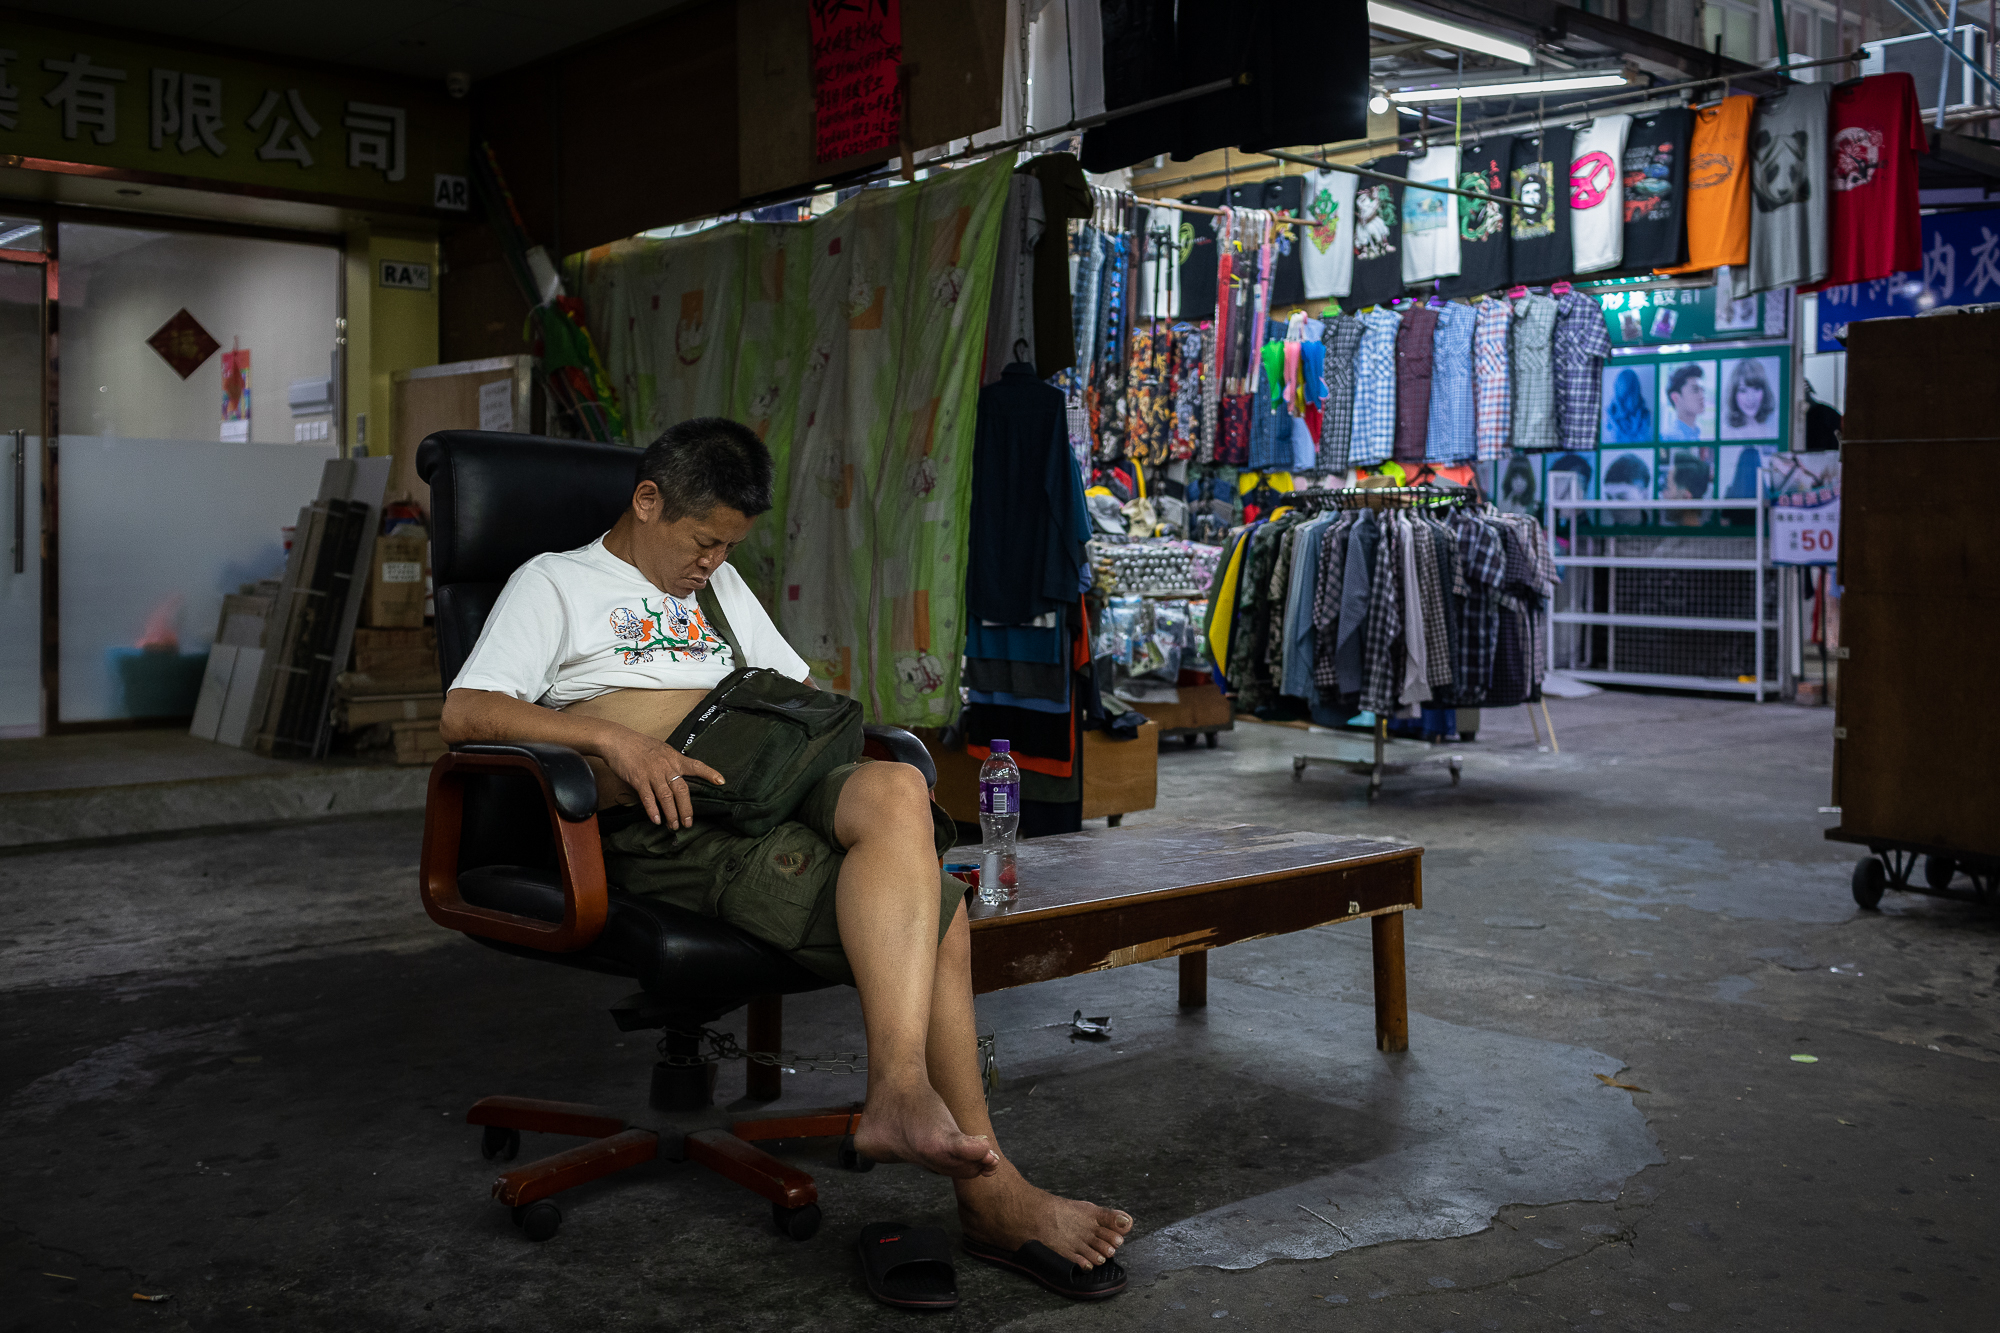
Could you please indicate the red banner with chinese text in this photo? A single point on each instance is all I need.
(856, 47)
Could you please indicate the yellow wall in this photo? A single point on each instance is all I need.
(388, 329)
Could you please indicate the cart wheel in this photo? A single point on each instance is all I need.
(1188, 741)
(1298, 768)
(1938, 871)
(1869, 880)
(1468, 736)
(1457, 767)
(1211, 739)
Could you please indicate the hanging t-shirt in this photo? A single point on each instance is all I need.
(1199, 256)
(1718, 197)
(1788, 185)
(1286, 194)
(1482, 227)
(1326, 256)
(1430, 219)
(1597, 195)
(1158, 291)
(1539, 178)
(1656, 153)
(1378, 228)
(1873, 229)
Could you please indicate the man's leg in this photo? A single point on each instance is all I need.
(925, 1101)
(887, 904)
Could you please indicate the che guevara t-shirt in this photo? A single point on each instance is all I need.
(1656, 152)
(1596, 195)
(1483, 242)
(1378, 232)
(1539, 178)
(1326, 257)
(1873, 229)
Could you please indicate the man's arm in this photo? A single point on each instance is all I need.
(657, 772)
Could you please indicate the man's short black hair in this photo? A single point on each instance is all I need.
(1678, 380)
(705, 462)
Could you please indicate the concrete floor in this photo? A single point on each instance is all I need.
(237, 1062)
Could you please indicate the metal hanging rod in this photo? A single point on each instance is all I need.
(1324, 165)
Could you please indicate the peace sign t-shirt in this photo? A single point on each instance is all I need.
(1596, 195)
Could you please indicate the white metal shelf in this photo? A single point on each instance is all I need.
(1663, 682)
(1657, 622)
(1651, 562)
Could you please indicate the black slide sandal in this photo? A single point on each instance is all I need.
(908, 1267)
(1042, 1264)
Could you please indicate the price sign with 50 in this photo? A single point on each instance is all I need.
(1805, 535)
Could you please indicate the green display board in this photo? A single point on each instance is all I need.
(1643, 316)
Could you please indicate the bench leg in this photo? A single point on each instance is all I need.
(765, 1083)
(1194, 979)
(1392, 1011)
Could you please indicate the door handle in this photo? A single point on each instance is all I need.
(20, 502)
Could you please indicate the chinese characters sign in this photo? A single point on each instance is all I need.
(1648, 317)
(75, 98)
(856, 48)
(1961, 267)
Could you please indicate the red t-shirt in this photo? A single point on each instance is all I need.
(1873, 228)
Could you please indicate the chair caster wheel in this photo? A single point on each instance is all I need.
(798, 1223)
(538, 1221)
(851, 1158)
(500, 1144)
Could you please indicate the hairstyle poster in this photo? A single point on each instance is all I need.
(1576, 470)
(1517, 486)
(1627, 475)
(1687, 401)
(1629, 393)
(1685, 472)
(1751, 406)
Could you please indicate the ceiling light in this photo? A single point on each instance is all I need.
(1520, 89)
(1397, 19)
(1378, 105)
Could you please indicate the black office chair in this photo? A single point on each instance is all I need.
(511, 858)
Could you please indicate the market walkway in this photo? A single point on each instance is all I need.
(236, 1065)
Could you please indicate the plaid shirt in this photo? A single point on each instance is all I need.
(1375, 390)
(1534, 386)
(1581, 344)
(1430, 593)
(1492, 415)
(1484, 563)
(1327, 586)
(1336, 428)
(1449, 438)
(1381, 651)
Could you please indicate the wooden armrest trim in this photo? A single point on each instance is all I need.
(579, 857)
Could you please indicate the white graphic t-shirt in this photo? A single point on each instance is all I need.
(1326, 259)
(1597, 195)
(572, 625)
(1430, 219)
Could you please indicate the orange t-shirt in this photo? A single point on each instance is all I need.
(1718, 185)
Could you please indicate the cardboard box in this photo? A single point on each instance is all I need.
(1200, 706)
(395, 654)
(417, 742)
(1120, 776)
(395, 598)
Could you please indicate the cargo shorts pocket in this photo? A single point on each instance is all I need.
(778, 887)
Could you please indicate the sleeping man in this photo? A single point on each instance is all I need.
(604, 649)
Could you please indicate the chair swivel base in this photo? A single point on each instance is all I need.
(618, 1142)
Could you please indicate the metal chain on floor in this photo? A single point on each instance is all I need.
(723, 1046)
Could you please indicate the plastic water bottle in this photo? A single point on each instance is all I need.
(999, 820)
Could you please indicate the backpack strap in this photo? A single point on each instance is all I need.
(711, 609)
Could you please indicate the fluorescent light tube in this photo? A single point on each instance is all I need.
(1398, 19)
(1522, 89)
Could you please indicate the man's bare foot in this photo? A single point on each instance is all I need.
(1006, 1212)
(912, 1124)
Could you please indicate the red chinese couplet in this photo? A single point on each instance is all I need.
(857, 45)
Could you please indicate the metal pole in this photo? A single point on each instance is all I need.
(1944, 66)
(1763, 555)
(1325, 165)
(1951, 51)
(20, 502)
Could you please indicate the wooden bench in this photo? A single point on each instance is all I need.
(1107, 898)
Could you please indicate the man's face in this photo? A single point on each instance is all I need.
(1691, 401)
(679, 555)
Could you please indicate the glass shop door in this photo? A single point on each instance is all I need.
(23, 375)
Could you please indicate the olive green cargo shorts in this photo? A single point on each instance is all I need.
(779, 887)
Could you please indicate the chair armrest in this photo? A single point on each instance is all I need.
(893, 743)
(564, 779)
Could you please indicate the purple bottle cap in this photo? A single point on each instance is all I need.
(999, 747)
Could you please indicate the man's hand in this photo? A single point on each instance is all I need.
(658, 775)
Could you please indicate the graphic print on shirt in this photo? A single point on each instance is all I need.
(1325, 211)
(681, 632)
(1374, 222)
(1533, 187)
(1649, 182)
(1427, 210)
(1590, 177)
(1479, 219)
(1857, 156)
(1708, 170)
(1779, 173)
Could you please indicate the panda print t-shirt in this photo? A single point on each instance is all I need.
(1788, 189)
(572, 625)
